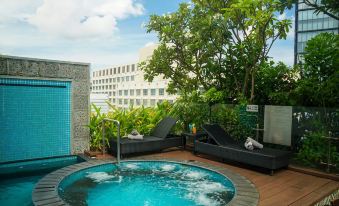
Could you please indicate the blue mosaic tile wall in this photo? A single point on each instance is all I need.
(35, 119)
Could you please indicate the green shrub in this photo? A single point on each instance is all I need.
(232, 119)
(142, 119)
(95, 128)
(314, 150)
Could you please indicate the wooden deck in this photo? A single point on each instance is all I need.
(285, 187)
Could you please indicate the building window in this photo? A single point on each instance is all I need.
(110, 93)
(144, 102)
(131, 92)
(122, 79)
(152, 102)
(137, 102)
(160, 101)
(161, 92)
(110, 80)
(115, 70)
(145, 92)
(113, 80)
(100, 81)
(131, 101)
(106, 80)
(138, 91)
(120, 101)
(120, 92)
(170, 101)
(126, 92)
(113, 86)
(153, 93)
(127, 68)
(133, 67)
(93, 74)
(110, 71)
(123, 69)
(127, 79)
(125, 101)
(113, 100)
(132, 78)
(118, 79)
(114, 93)
(118, 70)
(110, 86)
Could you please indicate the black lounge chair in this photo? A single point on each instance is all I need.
(158, 140)
(223, 146)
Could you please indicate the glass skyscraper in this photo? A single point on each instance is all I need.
(307, 25)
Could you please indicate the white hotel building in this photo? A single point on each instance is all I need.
(125, 84)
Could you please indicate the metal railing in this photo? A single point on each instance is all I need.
(118, 136)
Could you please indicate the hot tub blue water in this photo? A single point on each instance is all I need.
(17, 180)
(146, 183)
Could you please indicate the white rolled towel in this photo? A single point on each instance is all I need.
(139, 136)
(249, 145)
(255, 143)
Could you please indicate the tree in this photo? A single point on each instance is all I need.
(221, 44)
(329, 7)
(276, 84)
(319, 82)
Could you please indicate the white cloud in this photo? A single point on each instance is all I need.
(151, 43)
(16, 10)
(119, 8)
(82, 18)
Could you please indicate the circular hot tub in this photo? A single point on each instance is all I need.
(148, 183)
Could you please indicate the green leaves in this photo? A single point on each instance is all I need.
(320, 72)
(219, 44)
(142, 119)
(315, 150)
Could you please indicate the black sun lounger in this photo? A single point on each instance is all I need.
(227, 148)
(159, 139)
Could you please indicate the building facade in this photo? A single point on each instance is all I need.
(309, 24)
(125, 84)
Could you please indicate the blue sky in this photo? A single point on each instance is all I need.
(71, 30)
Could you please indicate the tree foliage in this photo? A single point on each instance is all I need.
(276, 84)
(319, 82)
(221, 44)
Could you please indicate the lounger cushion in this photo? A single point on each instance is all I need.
(227, 148)
(218, 134)
(148, 144)
(158, 140)
(266, 158)
(163, 128)
(145, 139)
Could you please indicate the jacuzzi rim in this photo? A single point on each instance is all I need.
(46, 191)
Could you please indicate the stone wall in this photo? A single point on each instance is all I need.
(77, 73)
